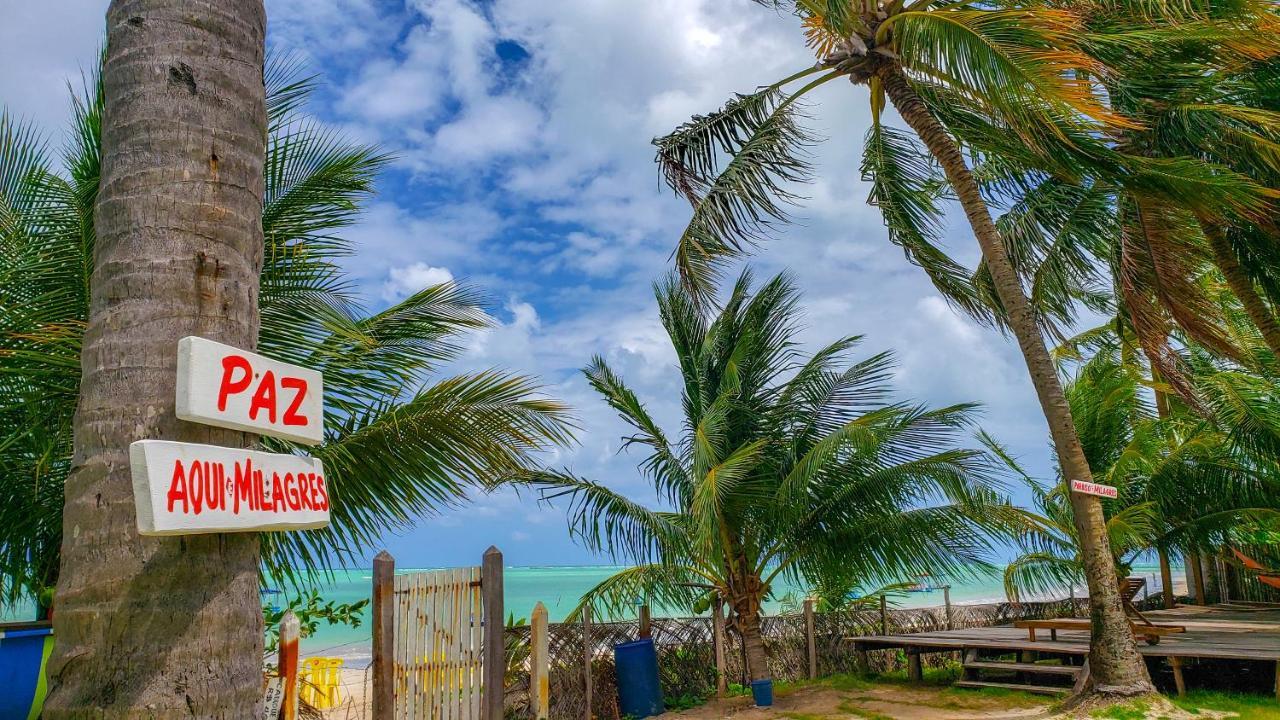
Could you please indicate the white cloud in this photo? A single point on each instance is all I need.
(488, 128)
(405, 281)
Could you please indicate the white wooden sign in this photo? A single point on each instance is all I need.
(1088, 488)
(273, 699)
(187, 488)
(232, 388)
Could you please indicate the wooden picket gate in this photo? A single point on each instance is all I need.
(436, 655)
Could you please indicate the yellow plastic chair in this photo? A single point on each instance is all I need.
(320, 682)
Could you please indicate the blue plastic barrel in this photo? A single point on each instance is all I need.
(24, 650)
(762, 692)
(639, 692)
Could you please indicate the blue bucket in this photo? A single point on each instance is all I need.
(762, 692)
(24, 650)
(639, 692)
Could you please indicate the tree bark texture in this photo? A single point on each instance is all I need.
(1116, 667)
(1166, 579)
(151, 627)
(748, 615)
(1224, 256)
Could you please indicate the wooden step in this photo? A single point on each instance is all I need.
(1041, 689)
(1066, 670)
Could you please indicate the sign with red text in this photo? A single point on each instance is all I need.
(188, 488)
(1088, 488)
(232, 388)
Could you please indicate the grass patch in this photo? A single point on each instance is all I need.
(1249, 707)
(847, 707)
(1125, 711)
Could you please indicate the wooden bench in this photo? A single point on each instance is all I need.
(1151, 633)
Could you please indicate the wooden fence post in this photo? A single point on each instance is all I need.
(588, 654)
(946, 600)
(811, 642)
(539, 663)
(646, 623)
(494, 644)
(718, 641)
(884, 615)
(384, 633)
(290, 632)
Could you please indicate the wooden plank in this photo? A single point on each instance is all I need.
(290, 635)
(384, 635)
(718, 641)
(1178, 680)
(414, 641)
(1041, 689)
(397, 655)
(646, 623)
(539, 663)
(450, 626)
(494, 660)
(914, 672)
(1033, 668)
(588, 652)
(477, 668)
(811, 642)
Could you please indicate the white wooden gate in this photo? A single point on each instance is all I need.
(435, 651)
(438, 658)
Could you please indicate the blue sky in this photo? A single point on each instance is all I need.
(522, 132)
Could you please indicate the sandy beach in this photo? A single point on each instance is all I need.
(354, 694)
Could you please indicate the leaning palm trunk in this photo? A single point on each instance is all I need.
(1116, 667)
(1241, 284)
(164, 627)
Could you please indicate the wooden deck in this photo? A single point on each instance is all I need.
(1219, 632)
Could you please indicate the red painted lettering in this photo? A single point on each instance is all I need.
(264, 397)
(324, 493)
(291, 416)
(243, 487)
(218, 494)
(230, 386)
(260, 490)
(178, 487)
(196, 486)
(290, 491)
(313, 490)
(304, 491)
(277, 494)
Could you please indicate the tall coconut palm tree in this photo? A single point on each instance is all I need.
(1021, 66)
(399, 444)
(787, 467)
(177, 251)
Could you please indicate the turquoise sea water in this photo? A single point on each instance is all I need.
(559, 588)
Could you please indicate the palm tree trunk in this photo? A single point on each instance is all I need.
(1166, 578)
(1197, 577)
(1116, 667)
(151, 626)
(748, 614)
(1224, 256)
